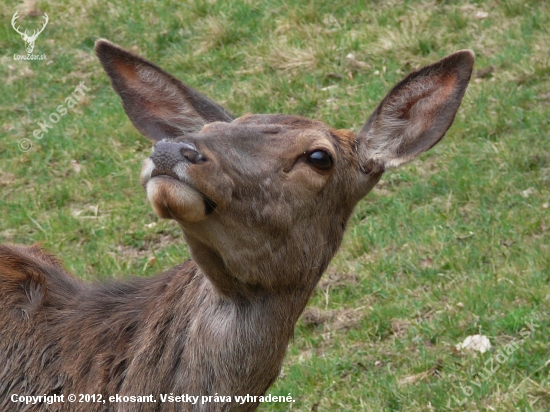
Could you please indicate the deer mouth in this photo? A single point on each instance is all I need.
(173, 197)
(167, 173)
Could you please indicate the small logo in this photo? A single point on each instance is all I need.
(29, 40)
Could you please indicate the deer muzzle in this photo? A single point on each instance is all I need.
(169, 189)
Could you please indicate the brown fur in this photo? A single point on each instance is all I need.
(262, 218)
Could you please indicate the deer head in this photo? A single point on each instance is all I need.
(29, 40)
(263, 200)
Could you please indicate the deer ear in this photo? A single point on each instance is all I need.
(415, 115)
(159, 105)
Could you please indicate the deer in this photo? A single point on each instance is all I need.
(29, 40)
(263, 201)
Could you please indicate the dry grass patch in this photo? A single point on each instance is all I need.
(288, 58)
(333, 320)
(213, 32)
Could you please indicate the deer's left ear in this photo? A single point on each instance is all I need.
(415, 114)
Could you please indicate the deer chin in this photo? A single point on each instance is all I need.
(173, 199)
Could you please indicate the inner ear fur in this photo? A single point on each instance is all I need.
(159, 105)
(415, 114)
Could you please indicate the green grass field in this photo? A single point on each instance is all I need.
(452, 245)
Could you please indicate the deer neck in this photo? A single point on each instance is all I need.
(242, 330)
(236, 345)
(278, 272)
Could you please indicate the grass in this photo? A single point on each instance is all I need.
(454, 244)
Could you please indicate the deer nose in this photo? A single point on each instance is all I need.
(167, 154)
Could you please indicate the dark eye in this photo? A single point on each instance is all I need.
(320, 159)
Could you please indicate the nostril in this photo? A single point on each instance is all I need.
(167, 154)
(193, 156)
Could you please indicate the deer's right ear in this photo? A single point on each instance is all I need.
(159, 105)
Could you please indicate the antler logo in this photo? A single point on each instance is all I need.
(29, 40)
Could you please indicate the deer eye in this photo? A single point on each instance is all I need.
(320, 159)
